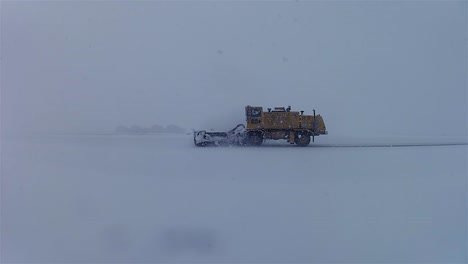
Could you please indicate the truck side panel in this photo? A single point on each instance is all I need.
(281, 120)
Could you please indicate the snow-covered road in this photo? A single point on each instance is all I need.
(161, 199)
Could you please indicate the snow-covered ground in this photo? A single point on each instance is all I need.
(159, 198)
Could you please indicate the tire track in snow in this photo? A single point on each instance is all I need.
(368, 145)
(386, 145)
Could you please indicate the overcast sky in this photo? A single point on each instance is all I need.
(369, 67)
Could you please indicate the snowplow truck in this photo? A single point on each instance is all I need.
(279, 123)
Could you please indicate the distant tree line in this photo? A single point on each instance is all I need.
(173, 129)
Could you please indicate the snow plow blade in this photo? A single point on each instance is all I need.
(235, 136)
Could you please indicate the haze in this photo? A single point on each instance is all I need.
(370, 68)
(387, 184)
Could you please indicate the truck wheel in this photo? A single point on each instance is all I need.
(255, 139)
(302, 140)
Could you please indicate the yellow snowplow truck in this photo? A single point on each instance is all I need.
(274, 124)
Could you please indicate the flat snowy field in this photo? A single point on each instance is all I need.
(159, 198)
